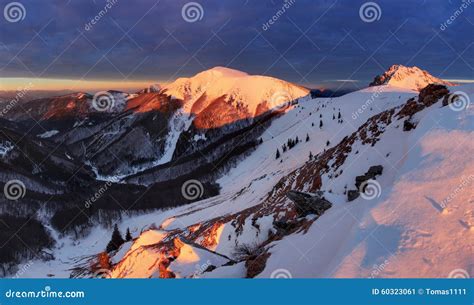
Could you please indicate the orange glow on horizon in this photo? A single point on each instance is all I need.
(11, 84)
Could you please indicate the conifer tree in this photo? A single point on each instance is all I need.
(116, 241)
(128, 236)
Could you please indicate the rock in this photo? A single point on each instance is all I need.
(307, 204)
(375, 170)
(284, 226)
(256, 265)
(352, 195)
(407, 125)
(431, 94)
(361, 179)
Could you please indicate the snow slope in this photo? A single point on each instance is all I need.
(419, 223)
(402, 232)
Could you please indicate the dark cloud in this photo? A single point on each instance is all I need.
(311, 42)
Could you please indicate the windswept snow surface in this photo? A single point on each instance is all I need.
(420, 224)
(48, 134)
(237, 86)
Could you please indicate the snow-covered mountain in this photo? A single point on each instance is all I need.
(404, 223)
(407, 77)
(375, 183)
(251, 95)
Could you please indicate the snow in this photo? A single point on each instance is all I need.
(412, 78)
(48, 134)
(251, 90)
(148, 238)
(5, 148)
(421, 225)
(192, 262)
(405, 232)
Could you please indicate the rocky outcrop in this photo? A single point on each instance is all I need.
(307, 204)
(427, 97)
(373, 172)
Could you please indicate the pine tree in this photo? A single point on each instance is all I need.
(307, 137)
(333, 116)
(277, 154)
(339, 115)
(297, 140)
(128, 236)
(116, 241)
(310, 155)
(327, 143)
(321, 124)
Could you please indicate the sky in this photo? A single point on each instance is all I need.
(123, 44)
